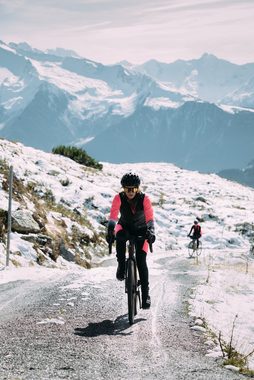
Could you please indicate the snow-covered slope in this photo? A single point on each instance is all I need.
(243, 96)
(178, 195)
(70, 205)
(18, 83)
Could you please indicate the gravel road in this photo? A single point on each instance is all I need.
(56, 330)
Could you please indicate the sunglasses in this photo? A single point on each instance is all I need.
(130, 189)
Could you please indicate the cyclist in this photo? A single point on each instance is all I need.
(136, 218)
(196, 235)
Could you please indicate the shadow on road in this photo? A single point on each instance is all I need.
(107, 327)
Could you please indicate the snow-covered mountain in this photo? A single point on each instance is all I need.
(156, 112)
(208, 77)
(40, 91)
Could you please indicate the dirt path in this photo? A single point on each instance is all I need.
(77, 328)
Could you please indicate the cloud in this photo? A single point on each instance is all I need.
(108, 30)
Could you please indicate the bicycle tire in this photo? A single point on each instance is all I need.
(191, 249)
(199, 249)
(131, 291)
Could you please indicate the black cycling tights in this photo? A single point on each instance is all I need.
(121, 239)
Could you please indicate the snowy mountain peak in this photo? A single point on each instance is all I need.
(23, 46)
(208, 56)
(61, 52)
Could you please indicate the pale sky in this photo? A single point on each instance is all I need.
(109, 31)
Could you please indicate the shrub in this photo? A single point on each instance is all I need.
(78, 155)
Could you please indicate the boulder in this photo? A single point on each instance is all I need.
(23, 222)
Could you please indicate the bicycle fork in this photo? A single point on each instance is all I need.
(138, 293)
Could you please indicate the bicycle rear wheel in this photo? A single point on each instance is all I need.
(131, 291)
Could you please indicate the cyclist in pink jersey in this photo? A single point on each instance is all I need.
(196, 232)
(136, 218)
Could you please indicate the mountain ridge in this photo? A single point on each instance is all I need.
(171, 140)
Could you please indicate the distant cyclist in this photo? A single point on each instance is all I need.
(136, 218)
(195, 232)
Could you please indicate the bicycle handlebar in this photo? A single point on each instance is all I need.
(132, 238)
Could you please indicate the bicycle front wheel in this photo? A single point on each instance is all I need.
(191, 248)
(199, 249)
(131, 290)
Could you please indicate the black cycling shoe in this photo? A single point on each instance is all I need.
(146, 303)
(120, 273)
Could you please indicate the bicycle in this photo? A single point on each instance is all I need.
(132, 282)
(194, 249)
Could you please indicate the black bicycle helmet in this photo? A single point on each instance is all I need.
(195, 222)
(130, 179)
